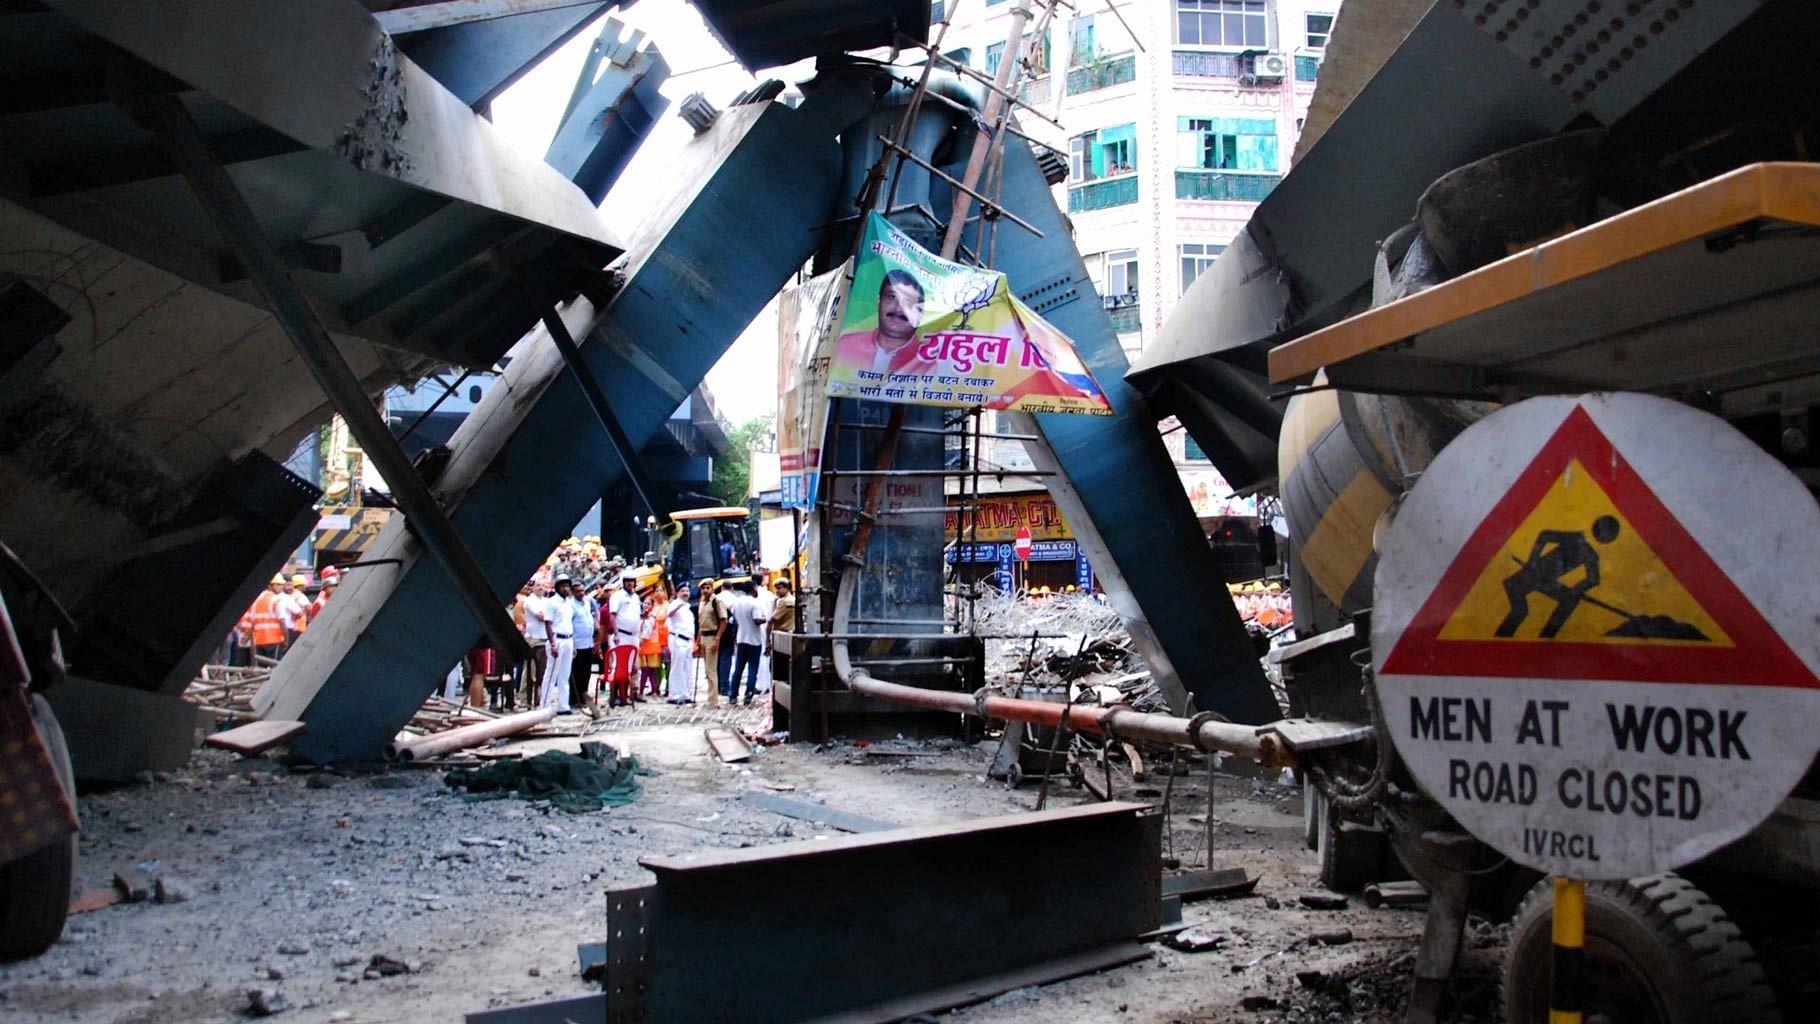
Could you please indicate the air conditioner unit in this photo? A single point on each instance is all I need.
(1272, 67)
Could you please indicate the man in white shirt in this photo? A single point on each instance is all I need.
(537, 634)
(562, 649)
(767, 603)
(619, 635)
(586, 610)
(680, 614)
(293, 610)
(748, 619)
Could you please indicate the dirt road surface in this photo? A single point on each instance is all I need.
(297, 881)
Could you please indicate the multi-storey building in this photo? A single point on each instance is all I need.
(1178, 117)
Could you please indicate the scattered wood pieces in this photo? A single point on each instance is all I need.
(1137, 763)
(254, 737)
(97, 899)
(1395, 894)
(728, 744)
(1195, 940)
(1322, 901)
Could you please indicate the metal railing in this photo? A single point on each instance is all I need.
(1102, 74)
(1103, 194)
(1244, 186)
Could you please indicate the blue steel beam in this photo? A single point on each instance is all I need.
(478, 60)
(527, 462)
(1116, 484)
(609, 115)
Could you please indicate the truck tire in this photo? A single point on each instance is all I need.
(1351, 855)
(35, 889)
(1657, 950)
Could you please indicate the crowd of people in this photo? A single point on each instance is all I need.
(596, 627)
(625, 635)
(1265, 605)
(278, 616)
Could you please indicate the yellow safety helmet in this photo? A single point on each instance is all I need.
(299, 581)
(278, 580)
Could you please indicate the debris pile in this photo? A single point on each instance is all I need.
(226, 691)
(1063, 639)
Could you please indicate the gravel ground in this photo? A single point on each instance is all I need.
(298, 881)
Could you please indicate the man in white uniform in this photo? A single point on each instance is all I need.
(681, 616)
(619, 630)
(581, 688)
(537, 634)
(562, 649)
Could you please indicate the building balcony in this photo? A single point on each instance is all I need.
(1035, 93)
(1243, 186)
(1126, 319)
(1202, 64)
(1101, 74)
(1103, 194)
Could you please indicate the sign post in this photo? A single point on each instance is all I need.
(1023, 544)
(1585, 654)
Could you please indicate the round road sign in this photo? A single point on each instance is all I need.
(1022, 543)
(1594, 633)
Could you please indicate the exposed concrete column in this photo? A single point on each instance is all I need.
(529, 461)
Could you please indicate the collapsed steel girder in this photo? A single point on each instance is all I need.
(752, 192)
(930, 916)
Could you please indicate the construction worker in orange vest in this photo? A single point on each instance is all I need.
(263, 623)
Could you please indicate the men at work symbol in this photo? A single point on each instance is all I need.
(1558, 554)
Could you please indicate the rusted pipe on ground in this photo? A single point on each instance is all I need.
(1122, 723)
(467, 736)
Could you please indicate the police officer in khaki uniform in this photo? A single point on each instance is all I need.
(708, 620)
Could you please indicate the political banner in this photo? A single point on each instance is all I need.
(806, 317)
(921, 330)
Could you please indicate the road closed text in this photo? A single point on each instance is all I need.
(1642, 794)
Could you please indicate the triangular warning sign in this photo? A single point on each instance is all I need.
(1580, 572)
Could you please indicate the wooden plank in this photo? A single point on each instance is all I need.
(254, 737)
(1137, 763)
(727, 744)
(96, 899)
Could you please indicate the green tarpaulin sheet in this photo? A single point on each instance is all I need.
(598, 777)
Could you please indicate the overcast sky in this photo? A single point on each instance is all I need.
(744, 382)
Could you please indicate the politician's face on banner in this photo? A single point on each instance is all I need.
(900, 310)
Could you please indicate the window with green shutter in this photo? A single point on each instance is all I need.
(1226, 143)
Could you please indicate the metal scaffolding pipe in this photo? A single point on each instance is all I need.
(1121, 723)
(467, 736)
